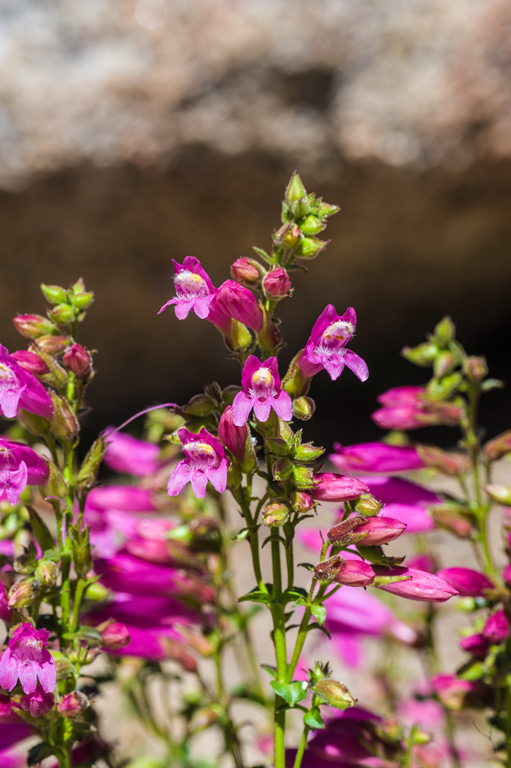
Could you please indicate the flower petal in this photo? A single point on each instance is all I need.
(283, 406)
(183, 308)
(47, 674)
(28, 675)
(241, 407)
(179, 478)
(218, 477)
(8, 670)
(357, 365)
(199, 480)
(262, 409)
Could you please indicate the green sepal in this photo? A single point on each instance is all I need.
(40, 529)
(319, 611)
(376, 555)
(272, 671)
(262, 254)
(313, 719)
(291, 692)
(241, 535)
(382, 581)
(489, 384)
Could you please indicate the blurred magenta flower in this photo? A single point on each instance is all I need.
(262, 392)
(38, 702)
(375, 457)
(26, 658)
(205, 460)
(115, 636)
(326, 347)
(21, 389)
(19, 466)
(404, 501)
(419, 585)
(466, 581)
(126, 454)
(5, 611)
(125, 498)
(333, 487)
(496, 628)
(476, 644)
(194, 289)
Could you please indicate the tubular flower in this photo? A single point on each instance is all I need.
(466, 581)
(410, 408)
(28, 659)
(375, 457)
(19, 466)
(234, 300)
(205, 460)
(20, 389)
(262, 392)
(416, 585)
(125, 453)
(326, 347)
(333, 487)
(37, 703)
(193, 287)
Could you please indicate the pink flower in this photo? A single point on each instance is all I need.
(377, 530)
(125, 453)
(262, 392)
(404, 501)
(115, 636)
(26, 658)
(355, 573)
(19, 466)
(409, 408)
(78, 360)
(236, 301)
(375, 457)
(234, 438)
(467, 582)
(419, 585)
(477, 645)
(333, 487)
(205, 460)
(5, 611)
(20, 389)
(37, 703)
(326, 347)
(30, 362)
(277, 283)
(496, 628)
(193, 287)
(125, 498)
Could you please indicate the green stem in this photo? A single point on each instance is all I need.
(450, 732)
(301, 747)
(80, 589)
(279, 641)
(508, 723)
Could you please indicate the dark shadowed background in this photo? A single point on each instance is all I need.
(134, 133)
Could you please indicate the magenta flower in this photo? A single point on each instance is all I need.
(333, 487)
(125, 453)
(5, 611)
(375, 457)
(277, 283)
(30, 362)
(467, 582)
(476, 644)
(496, 628)
(377, 531)
(205, 460)
(404, 501)
(419, 585)
(355, 573)
(409, 408)
(236, 301)
(26, 658)
(326, 347)
(38, 702)
(193, 287)
(19, 466)
(125, 498)
(20, 389)
(234, 438)
(262, 392)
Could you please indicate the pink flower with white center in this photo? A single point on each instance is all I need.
(205, 460)
(193, 287)
(28, 659)
(262, 392)
(326, 347)
(20, 389)
(19, 466)
(38, 702)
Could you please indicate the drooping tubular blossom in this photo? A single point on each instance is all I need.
(205, 460)
(333, 487)
(261, 391)
(194, 289)
(416, 585)
(234, 438)
(28, 659)
(466, 581)
(375, 457)
(240, 303)
(125, 453)
(326, 347)
(20, 389)
(19, 466)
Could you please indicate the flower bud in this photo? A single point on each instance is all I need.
(282, 469)
(30, 362)
(445, 516)
(83, 300)
(63, 666)
(499, 447)
(235, 438)
(47, 573)
(56, 485)
(448, 462)
(458, 694)
(303, 478)
(52, 345)
(295, 190)
(115, 636)
(72, 704)
(423, 355)
(355, 573)
(444, 363)
(333, 693)
(288, 235)
(301, 502)
(22, 593)
(33, 326)
(277, 283)
(334, 487)
(239, 338)
(414, 585)
(324, 210)
(78, 361)
(239, 302)
(467, 582)
(276, 513)
(475, 368)
(234, 476)
(496, 629)
(328, 569)
(312, 225)
(303, 408)
(310, 247)
(199, 405)
(367, 505)
(55, 294)
(88, 471)
(36, 425)
(445, 331)
(444, 388)
(62, 314)
(269, 336)
(97, 593)
(64, 423)
(477, 645)
(308, 452)
(247, 271)
(344, 533)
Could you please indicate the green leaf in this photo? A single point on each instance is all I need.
(291, 692)
(376, 555)
(319, 611)
(262, 254)
(313, 719)
(489, 384)
(39, 752)
(241, 535)
(293, 594)
(41, 532)
(257, 595)
(318, 626)
(272, 671)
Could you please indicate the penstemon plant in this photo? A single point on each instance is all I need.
(130, 580)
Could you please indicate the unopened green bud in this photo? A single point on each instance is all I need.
(367, 505)
(22, 593)
(47, 573)
(303, 478)
(499, 493)
(229, 393)
(63, 666)
(277, 446)
(288, 235)
(445, 331)
(97, 593)
(90, 466)
(199, 405)
(444, 388)
(333, 693)
(444, 363)
(323, 210)
(308, 452)
(36, 425)
(295, 189)
(55, 294)
(62, 314)
(56, 376)
(424, 354)
(64, 423)
(239, 338)
(475, 368)
(269, 336)
(234, 476)
(80, 549)
(25, 562)
(83, 300)
(312, 225)
(303, 408)
(276, 513)
(53, 345)
(56, 485)
(310, 247)
(282, 469)
(420, 737)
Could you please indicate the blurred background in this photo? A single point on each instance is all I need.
(132, 133)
